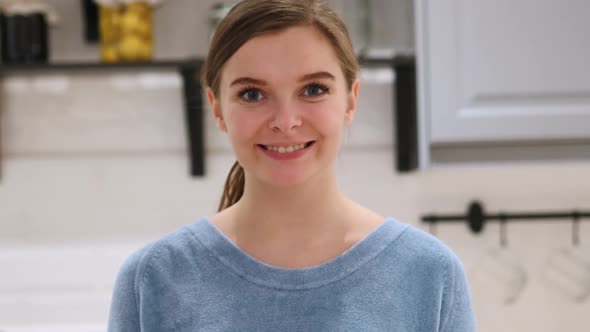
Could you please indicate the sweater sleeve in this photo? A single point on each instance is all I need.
(458, 315)
(124, 310)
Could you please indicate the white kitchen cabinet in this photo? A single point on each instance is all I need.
(503, 71)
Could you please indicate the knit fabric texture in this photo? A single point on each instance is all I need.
(397, 278)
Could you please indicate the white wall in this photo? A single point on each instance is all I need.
(93, 168)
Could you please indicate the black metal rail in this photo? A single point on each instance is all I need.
(476, 218)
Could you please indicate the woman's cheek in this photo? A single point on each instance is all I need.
(330, 118)
(244, 123)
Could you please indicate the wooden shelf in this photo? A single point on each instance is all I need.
(189, 69)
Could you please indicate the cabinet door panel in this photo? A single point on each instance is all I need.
(505, 70)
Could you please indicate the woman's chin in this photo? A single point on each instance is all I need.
(285, 179)
(285, 182)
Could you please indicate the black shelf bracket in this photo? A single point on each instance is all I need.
(193, 102)
(405, 116)
(193, 108)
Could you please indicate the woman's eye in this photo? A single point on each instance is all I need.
(315, 90)
(250, 95)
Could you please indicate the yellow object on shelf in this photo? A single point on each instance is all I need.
(126, 31)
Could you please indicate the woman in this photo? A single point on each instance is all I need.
(287, 251)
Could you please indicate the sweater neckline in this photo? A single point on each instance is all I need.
(258, 272)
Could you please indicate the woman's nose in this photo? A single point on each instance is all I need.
(286, 118)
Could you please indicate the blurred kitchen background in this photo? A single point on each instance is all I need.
(95, 163)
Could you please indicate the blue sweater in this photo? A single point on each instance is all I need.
(398, 278)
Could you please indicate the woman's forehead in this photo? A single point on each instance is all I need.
(285, 55)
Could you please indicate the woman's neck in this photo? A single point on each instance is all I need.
(315, 219)
(300, 207)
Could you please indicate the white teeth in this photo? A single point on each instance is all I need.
(285, 149)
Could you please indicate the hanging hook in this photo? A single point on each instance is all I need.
(503, 239)
(432, 226)
(576, 228)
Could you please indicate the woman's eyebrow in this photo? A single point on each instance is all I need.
(317, 75)
(306, 77)
(247, 80)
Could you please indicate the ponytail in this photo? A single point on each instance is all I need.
(234, 187)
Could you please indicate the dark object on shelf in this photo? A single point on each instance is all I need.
(405, 118)
(38, 47)
(14, 39)
(188, 69)
(90, 19)
(24, 38)
(476, 218)
(1, 35)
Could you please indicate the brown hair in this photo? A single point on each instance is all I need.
(251, 18)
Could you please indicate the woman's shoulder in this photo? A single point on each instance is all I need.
(429, 263)
(168, 249)
(420, 247)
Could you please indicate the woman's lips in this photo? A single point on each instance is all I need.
(286, 155)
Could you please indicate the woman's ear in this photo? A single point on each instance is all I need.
(352, 100)
(216, 107)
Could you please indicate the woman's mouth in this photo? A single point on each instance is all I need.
(286, 152)
(286, 149)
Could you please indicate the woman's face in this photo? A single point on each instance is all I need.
(284, 103)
